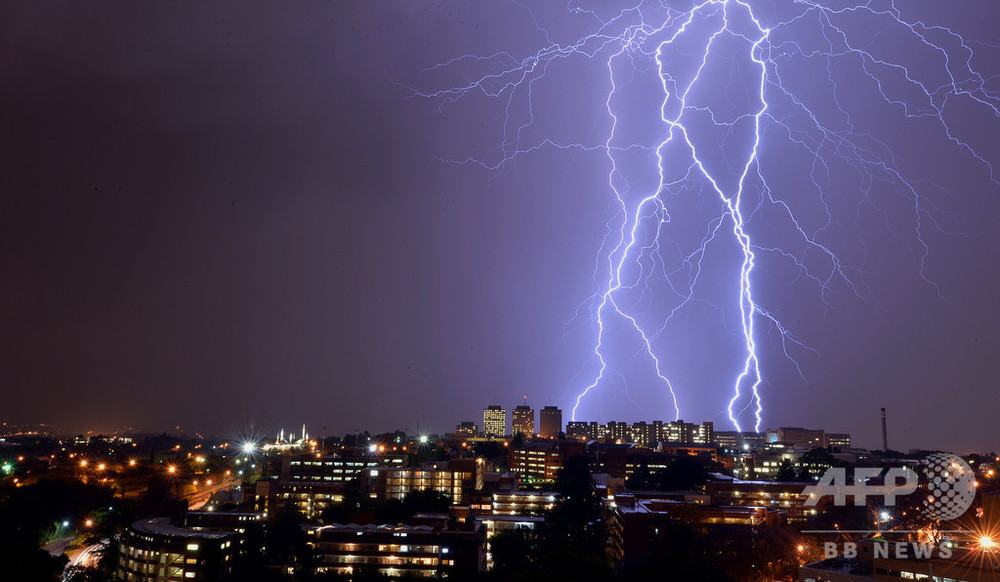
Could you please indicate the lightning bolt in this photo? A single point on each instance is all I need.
(712, 145)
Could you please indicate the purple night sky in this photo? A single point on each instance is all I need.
(244, 213)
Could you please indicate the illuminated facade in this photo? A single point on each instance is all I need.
(550, 422)
(398, 551)
(524, 502)
(838, 440)
(494, 421)
(647, 435)
(799, 437)
(309, 498)
(458, 479)
(523, 420)
(787, 497)
(535, 462)
(153, 550)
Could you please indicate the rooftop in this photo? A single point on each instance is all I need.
(161, 526)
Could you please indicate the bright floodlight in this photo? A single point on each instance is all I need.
(372, 448)
(987, 542)
(249, 447)
(423, 439)
(65, 524)
(884, 515)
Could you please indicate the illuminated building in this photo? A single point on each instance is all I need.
(618, 431)
(644, 434)
(467, 429)
(550, 422)
(398, 550)
(541, 461)
(586, 431)
(153, 550)
(494, 422)
(535, 461)
(798, 437)
(309, 498)
(458, 479)
(523, 420)
(331, 468)
(524, 502)
(838, 440)
(734, 441)
(312, 483)
(784, 496)
(766, 463)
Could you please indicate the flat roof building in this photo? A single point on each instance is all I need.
(494, 421)
(154, 550)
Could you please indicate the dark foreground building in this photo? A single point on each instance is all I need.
(153, 550)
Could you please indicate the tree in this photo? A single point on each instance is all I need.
(786, 472)
(514, 551)
(687, 473)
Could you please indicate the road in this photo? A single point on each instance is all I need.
(85, 556)
(198, 499)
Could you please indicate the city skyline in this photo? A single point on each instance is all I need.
(230, 218)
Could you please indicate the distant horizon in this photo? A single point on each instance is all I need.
(314, 430)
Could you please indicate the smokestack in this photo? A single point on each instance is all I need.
(885, 440)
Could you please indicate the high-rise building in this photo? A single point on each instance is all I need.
(550, 421)
(494, 421)
(523, 419)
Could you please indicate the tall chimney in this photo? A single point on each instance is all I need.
(885, 440)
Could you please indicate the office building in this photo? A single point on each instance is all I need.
(523, 420)
(550, 422)
(494, 422)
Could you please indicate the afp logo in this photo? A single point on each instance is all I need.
(948, 480)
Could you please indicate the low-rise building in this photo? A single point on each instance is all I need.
(524, 502)
(458, 479)
(398, 550)
(154, 550)
(780, 495)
